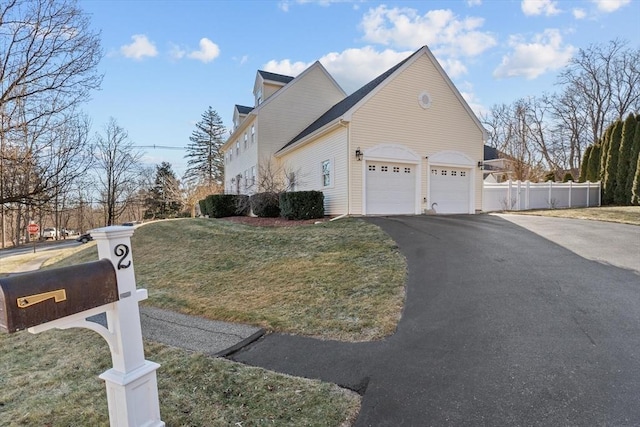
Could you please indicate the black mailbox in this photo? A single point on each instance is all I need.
(31, 299)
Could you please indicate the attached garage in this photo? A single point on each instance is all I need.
(390, 188)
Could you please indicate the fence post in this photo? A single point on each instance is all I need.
(527, 194)
(570, 189)
(509, 207)
(518, 194)
(550, 188)
(132, 388)
(588, 193)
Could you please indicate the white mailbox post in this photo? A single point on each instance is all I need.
(132, 389)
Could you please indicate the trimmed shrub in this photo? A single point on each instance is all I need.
(203, 207)
(302, 205)
(567, 177)
(265, 205)
(223, 205)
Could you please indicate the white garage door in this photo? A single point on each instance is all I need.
(450, 189)
(390, 188)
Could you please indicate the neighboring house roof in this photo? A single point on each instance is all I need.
(274, 77)
(491, 153)
(242, 109)
(345, 105)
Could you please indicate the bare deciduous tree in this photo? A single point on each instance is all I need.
(117, 167)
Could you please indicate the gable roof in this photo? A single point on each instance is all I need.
(274, 77)
(350, 103)
(242, 109)
(346, 104)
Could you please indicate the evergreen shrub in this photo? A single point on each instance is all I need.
(302, 205)
(223, 205)
(265, 205)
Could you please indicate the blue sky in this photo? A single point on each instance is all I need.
(166, 62)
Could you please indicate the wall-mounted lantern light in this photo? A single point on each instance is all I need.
(358, 154)
(481, 165)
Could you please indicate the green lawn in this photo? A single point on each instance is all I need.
(340, 280)
(621, 214)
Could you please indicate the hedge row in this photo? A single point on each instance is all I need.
(292, 205)
(222, 205)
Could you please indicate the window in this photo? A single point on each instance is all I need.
(326, 173)
(246, 179)
(259, 97)
(443, 172)
(434, 171)
(245, 140)
(230, 155)
(372, 168)
(396, 169)
(253, 175)
(463, 173)
(237, 148)
(407, 170)
(384, 168)
(253, 134)
(454, 173)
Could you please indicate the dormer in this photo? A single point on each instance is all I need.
(267, 84)
(239, 114)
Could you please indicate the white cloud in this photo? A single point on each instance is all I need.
(208, 51)
(140, 48)
(284, 5)
(579, 13)
(440, 29)
(351, 68)
(453, 67)
(539, 7)
(466, 90)
(609, 6)
(531, 59)
(472, 3)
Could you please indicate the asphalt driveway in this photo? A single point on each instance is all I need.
(501, 327)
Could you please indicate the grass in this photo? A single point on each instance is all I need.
(50, 379)
(338, 280)
(341, 280)
(620, 214)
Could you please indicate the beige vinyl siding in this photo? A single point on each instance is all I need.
(269, 89)
(394, 116)
(245, 161)
(307, 163)
(295, 108)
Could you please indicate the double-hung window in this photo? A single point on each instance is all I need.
(326, 173)
(253, 134)
(237, 148)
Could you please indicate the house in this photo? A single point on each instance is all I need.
(404, 143)
(496, 167)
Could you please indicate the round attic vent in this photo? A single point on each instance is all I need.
(424, 99)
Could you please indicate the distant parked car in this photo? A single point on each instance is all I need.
(128, 224)
(84, 238)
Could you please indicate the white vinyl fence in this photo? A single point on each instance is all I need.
(518, 195)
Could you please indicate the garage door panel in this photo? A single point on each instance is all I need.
(390, 188)
(450, 189)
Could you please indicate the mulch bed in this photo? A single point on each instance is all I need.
(273, 222)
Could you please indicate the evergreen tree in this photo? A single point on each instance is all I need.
(633, 160)
(593, 169)
(604, 150)
(585, 164)
(567, 177)
(206, 161)
(613, 153)
(635, 191)
(164, 199)
(620, 196)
